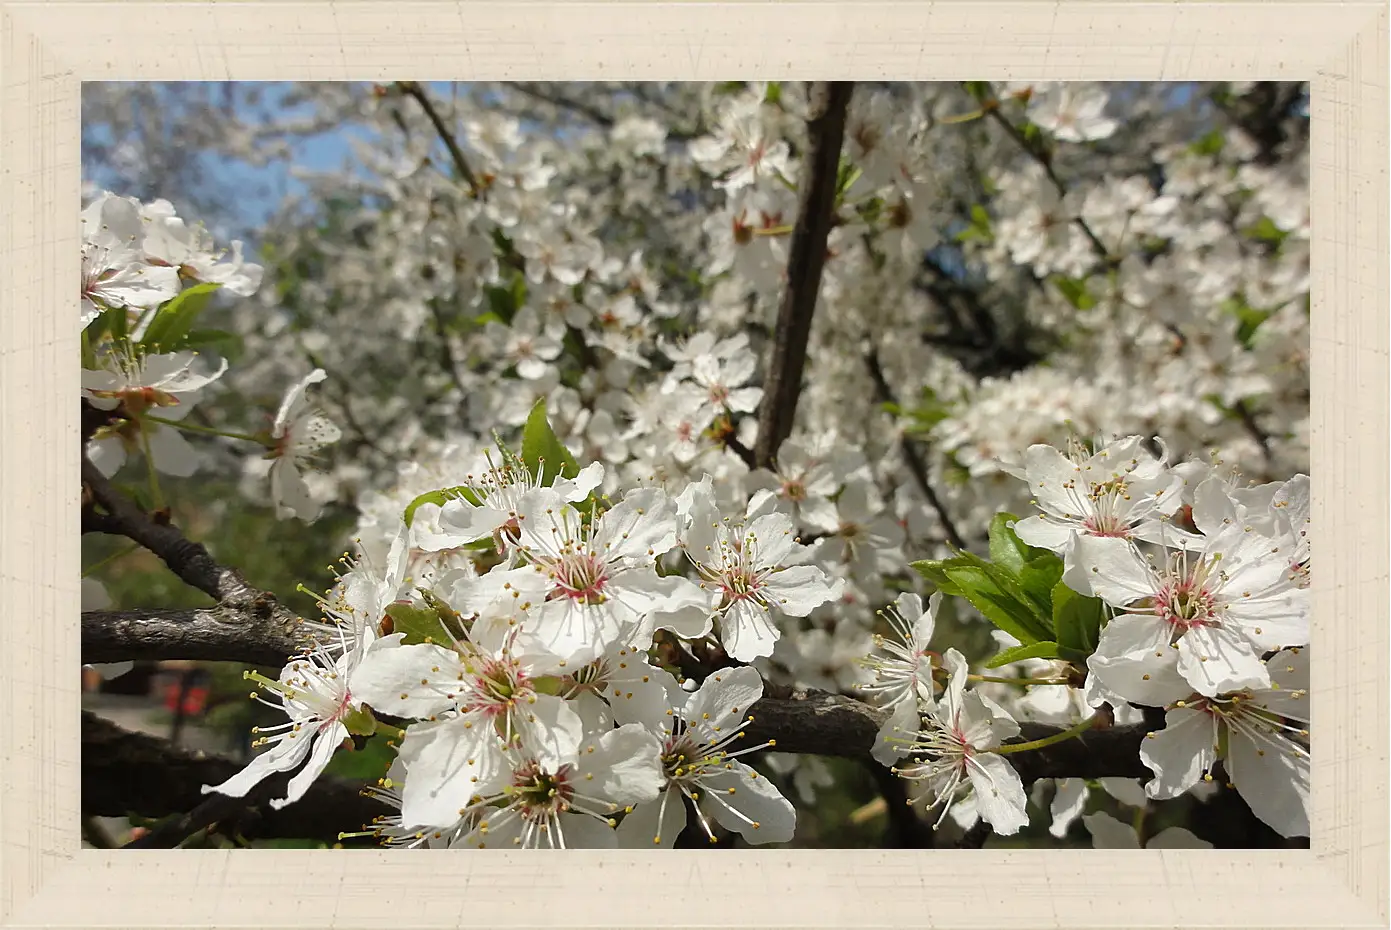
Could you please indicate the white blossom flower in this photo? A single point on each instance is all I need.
(1261, 736)
(571, 802)
(1072, 114)
(953, 751)
(141, 379)
(314, 692)
(597, 584)
(743, 150)
(492, 501)
(1119, 491)
(751, 568)
(1217, 608)
(115, 272)
(169, 242)
(699, 763)
(300, 431)
(903, 679)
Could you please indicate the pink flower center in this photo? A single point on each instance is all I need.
(582, 577)
(1185, 603)
(740, 583)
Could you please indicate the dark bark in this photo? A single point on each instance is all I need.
(816, 194)
(127, 773)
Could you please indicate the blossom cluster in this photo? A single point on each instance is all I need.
(1009, 266)
(1199, 604)
(539, 714)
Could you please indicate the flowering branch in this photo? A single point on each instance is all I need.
(806, 721)
(828, 102)
(1039, 154)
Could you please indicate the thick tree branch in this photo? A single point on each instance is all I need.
(207, 634)
(187, 559)
(816, 194)
(125, 773)
(822, 723)
(800, 721)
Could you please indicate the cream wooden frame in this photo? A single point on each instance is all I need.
(48, 48)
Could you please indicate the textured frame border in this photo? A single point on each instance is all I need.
(47, 47)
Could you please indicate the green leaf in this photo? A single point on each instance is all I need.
(1020, 653)
(501, 303)
(112, 322)
(1249, 319)
(846, 175)
(439, 498)
(418, 623)
(228, 345)
(934, 573)
(1266, 231)
(774, 93)
(1074, 291)
(174, 320)
(1076, 619)
(1039, 576)
(544, 454)
(1210, 144)
(1006, 549)
(1000, 607)
(981, 90)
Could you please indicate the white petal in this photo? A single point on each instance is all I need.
(1118, 573)
(551, 730)
(626, 765)
(326, 742)
(725, 697)
(390, 677)
(1272, 777)
(747, 631)
(281, 757)
(661, 821)
(446, 763)
(1069, 801)
(1181, 753)
(1214, 660)
(999, 793)
(741, 800)
(1109, 833)
(1176, 838)
(1128, 791)
(799, 590)
(891, 742)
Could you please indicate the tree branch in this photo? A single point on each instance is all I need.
(800, 721)
(206, 634)
(916, 465)
(416, 90)
(125, 773)
(816, 194)
(189, 560)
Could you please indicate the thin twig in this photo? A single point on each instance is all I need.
(1037, 153)
(417, 90)
(916, 465)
